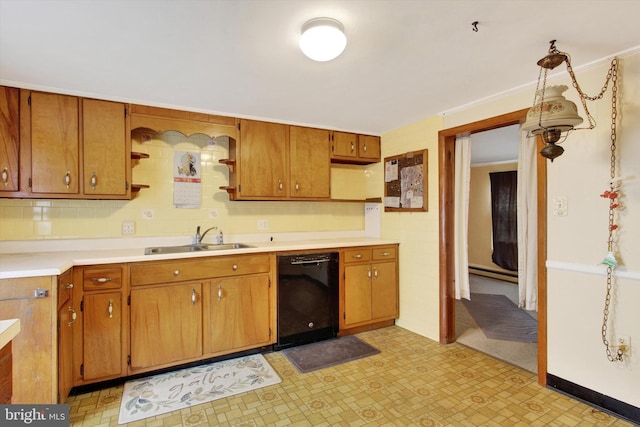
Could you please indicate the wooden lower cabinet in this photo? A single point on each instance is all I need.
(99, 333)
(35, 356)
(166, 324)
(369, 291)
(237, 314)
(66, 320)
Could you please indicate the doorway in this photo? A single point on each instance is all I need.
(446, 163)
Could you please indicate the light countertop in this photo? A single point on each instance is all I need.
(54, 262)
(8, 330)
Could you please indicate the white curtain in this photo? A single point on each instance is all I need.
(527, 224)
(461, 215)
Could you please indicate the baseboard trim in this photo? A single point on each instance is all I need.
(603, 402)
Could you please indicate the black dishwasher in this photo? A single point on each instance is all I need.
(307, 298)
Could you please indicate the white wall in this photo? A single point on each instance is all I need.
(577, 242)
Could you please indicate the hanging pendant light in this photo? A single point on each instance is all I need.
(323, 39)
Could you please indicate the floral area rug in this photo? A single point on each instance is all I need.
(172, 391)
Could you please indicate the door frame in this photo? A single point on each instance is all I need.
(446, 167)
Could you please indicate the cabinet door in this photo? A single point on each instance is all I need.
(54, 143)
(239, 310)
(309, 162)
(344, 145)
(9, 138)
(166, 324)
(102, 338)
(104, 148)
(357, 293)
(264, 160)
(65, 352)
(384, 291)
(369, 147)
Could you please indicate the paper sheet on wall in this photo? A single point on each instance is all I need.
(391, 171)
(187, 190)
(412, 192)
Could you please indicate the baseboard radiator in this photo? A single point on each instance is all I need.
(507, 276)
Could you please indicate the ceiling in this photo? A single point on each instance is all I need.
(405, 59)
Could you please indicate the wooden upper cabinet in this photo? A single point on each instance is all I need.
(9, 138)
(264, 160)
(353, 148)
(107, 161)
(344, 145)
(54, 126)
(369, 147)
(309, 163)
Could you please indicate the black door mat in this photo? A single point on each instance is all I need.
(324, 354)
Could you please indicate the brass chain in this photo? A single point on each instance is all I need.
(612, 76)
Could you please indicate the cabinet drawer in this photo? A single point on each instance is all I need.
(102, 278)
(357, 255)
(384, 252)
(205, 268)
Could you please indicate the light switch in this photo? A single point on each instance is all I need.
(560, 206)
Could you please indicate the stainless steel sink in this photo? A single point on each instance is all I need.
(158, 250)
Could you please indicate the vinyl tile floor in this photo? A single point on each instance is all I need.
(414, 381)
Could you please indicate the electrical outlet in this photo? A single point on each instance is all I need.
(128, 228)
(263, 224)
(624, 344)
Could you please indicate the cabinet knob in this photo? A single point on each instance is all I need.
(353, 147)
(364, 148)
(297, 186)
(5, 176)
(94, 181)
(176, 272)
(234, 267)
(68, 286)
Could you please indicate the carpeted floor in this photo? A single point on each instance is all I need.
(524, 355)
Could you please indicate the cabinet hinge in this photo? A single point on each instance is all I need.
(344, 315)
(29, 182)
(29, 100)
(128, 360)
(239, 188)
(126, 112)
(128, 299)
(126, 186)
(82, 305)
(82, 370)
(269, 281)
(238, 125)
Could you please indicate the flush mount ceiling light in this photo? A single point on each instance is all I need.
(552, 115)
(322, 39)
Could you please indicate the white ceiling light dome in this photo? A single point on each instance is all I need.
(323, 39)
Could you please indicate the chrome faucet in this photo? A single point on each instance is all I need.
(199, 236)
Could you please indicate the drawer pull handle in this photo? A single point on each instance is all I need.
(280, 186)
(384, 254)
(368, 272)
(357, 256)
(110, 308)
(73, 316)
(67, 179)
(5, 176)
(235, 267)
(219, 292)
(375, 272)
(176, 272)
(193, 297)
(37, 294)
(353, 147)
(101, 280)
(68, 286)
